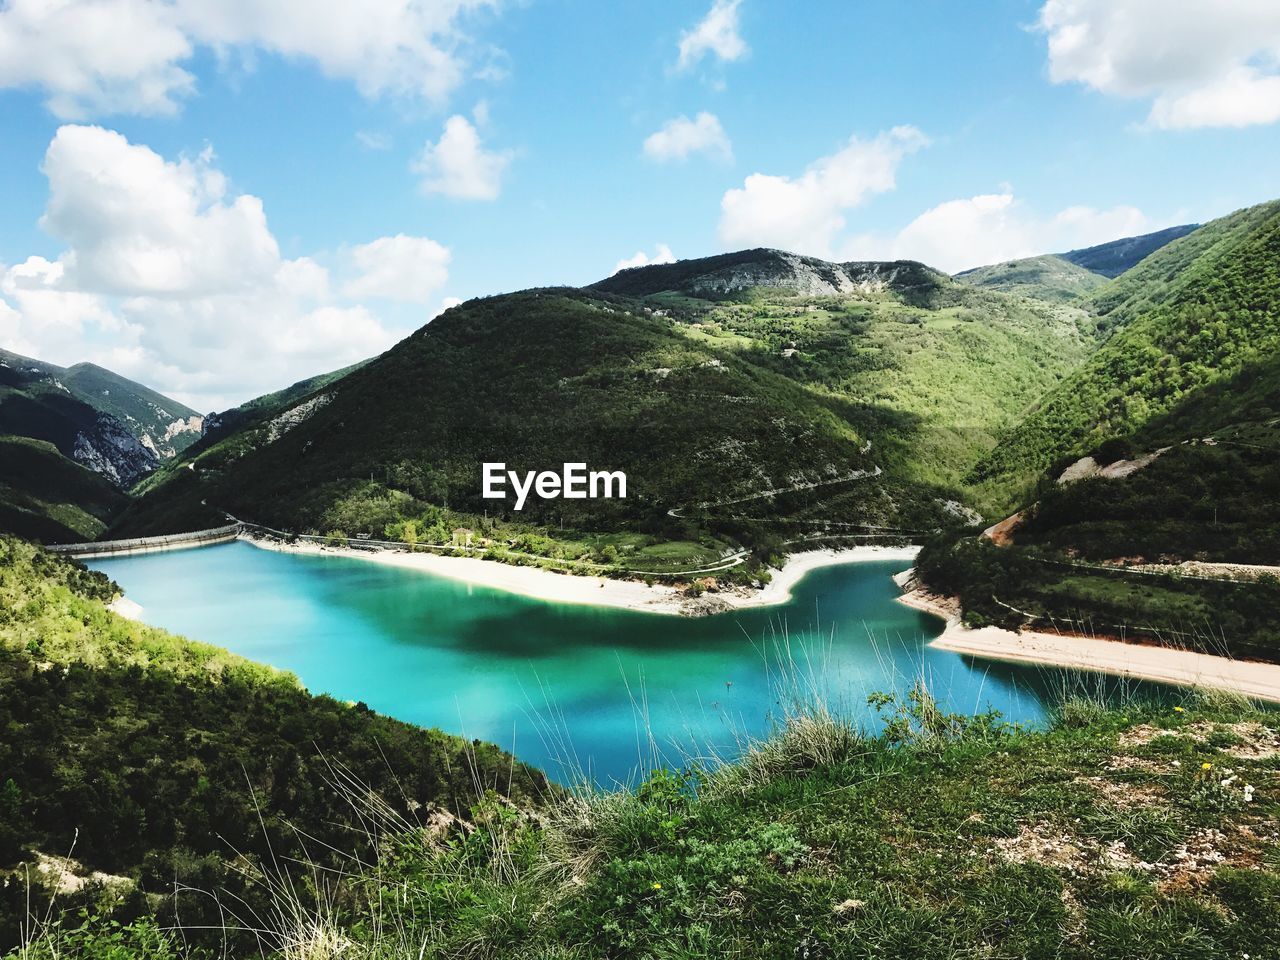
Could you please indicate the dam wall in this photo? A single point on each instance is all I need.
(124, 548)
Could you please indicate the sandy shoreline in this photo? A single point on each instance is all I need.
(1139, 661)
(603, 591)
(126, 608)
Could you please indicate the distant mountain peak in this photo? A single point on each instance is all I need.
(1114, 258)
(766, 267)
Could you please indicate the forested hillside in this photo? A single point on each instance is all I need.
(45, 496)
(1049, 278)
(1148, 482)
(1114, 258)
(1201, 316)
(160, 423)
(875, 387)
(151, 761)
(261, 410)
(1072, 276)
(67, 463)
(73, 440)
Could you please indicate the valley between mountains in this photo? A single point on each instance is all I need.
(763, 403)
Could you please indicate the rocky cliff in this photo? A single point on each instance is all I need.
(732, 273)
(109, 448)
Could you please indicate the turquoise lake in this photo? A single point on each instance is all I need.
(572, 689)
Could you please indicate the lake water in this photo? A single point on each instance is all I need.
(569, 688)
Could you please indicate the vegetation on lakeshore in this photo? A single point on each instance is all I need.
(151, 761)
(1186, 389)
(1016, 587)
(1202, 503)
(1139, 830)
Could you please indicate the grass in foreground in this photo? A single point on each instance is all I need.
(1143, 831)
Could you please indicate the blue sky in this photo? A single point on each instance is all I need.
(312, 230)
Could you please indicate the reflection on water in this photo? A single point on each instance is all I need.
(572, 687)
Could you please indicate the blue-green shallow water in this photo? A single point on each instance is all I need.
(567, 687)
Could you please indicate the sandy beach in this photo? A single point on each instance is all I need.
(603, 591)
(126, 608)
(1140, 661)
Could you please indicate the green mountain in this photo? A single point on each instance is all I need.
(74, 438)
(47, 497)
(766, 269)
(66, 462)
(1161, 452)
(860, 393)
(152, 761)
(160, 423)
(1073, 276)
(1193, 331)
(264, 408)
(1114, 258)
(1050, 277)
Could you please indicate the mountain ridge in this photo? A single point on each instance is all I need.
(749, 387)
(160, 423)
(1116, 256)
(767, 267)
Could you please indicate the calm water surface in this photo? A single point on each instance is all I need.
(567, 687)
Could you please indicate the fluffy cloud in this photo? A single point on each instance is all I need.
(410, 269)
(167, 278)
(716, 33)
(94, 57)
(140, 225)
(457, 165)
(1201, 64)
(679, 138)
(991, 228)
(805, 214)
(1242, 98)
(43, 317)
(661, 254)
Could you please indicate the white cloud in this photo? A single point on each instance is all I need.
(805, 214)
(458, 165)
(410, 269)
(995, 227)
(679, 138)
(46, 319)
(1242, 98)
(716, 33)
(93, 57)
(168, 278)
(1201, 64)
(108, 57)
(139, 224)
(661, 254)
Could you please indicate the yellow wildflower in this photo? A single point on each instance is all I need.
(1179, 710)
(1206, 766)
(657, 886)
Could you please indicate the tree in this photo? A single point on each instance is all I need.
(410, 535)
